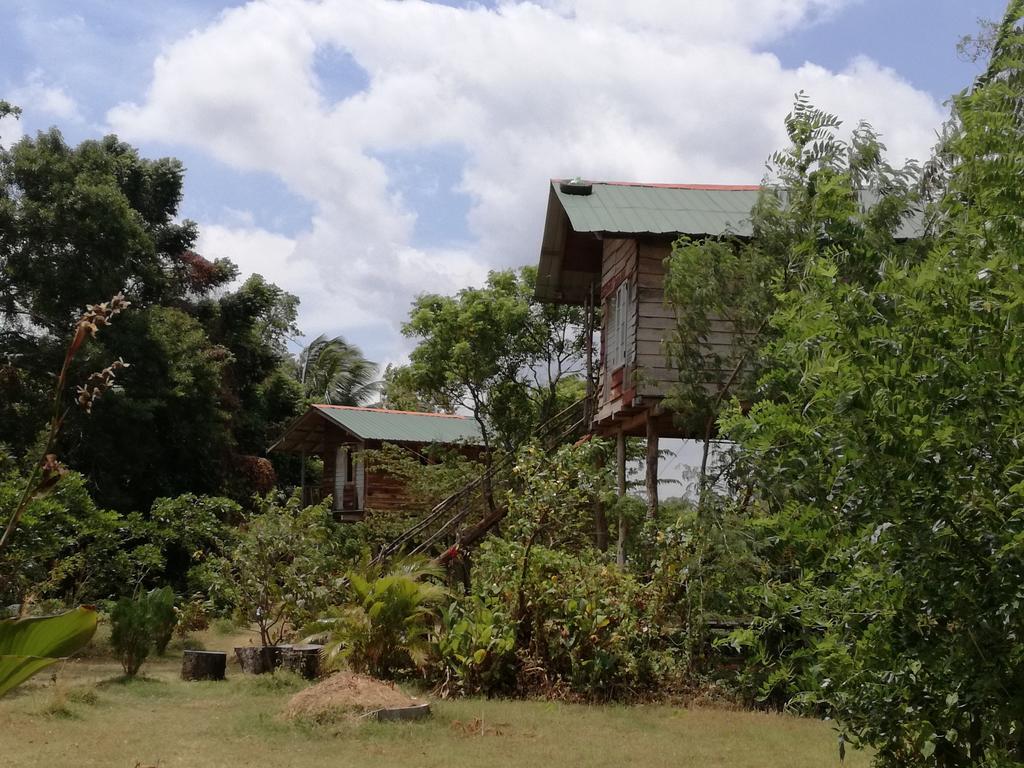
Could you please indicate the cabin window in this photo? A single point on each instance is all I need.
(618, 336)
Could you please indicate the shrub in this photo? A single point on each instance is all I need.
(384, 628)
(139, 625)
(192, 615)
(131, 633)
(587, 629)
(281, 572)
(67, 548)
(474, 648)
(163, 617)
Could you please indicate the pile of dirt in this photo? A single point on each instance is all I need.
(345, 694)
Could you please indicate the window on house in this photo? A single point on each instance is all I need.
(618, 337)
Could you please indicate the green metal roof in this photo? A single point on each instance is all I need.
(660, 209)
(675, 209)
(402, 426)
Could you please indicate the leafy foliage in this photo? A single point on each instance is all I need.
(884, 466)
(208, 381)
(131, 632)
(383, 627)
(496, 352)
(335, 372)
(823, 195)
(163, 617)
(282, 570)
(474, 648)
(28, 646)
(548, 614)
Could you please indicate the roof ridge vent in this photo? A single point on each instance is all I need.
(576, 186)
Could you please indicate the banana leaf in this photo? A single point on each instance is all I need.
(30, 645)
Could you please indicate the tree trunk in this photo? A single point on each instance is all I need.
(255, 659)
(652, 468)
(620, 468)
(303, 660)
(203, 665)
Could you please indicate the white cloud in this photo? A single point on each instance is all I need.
(654, 91)
(38, 96)
(731, 20)
(10, 130)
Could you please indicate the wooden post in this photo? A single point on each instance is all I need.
(620, 467)
(588, 325)
(600, 518)
(652, 467)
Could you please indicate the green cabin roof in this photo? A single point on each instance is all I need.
(306, 434)
(674, 209)
(402, 426)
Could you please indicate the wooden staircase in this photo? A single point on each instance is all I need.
(464, 518)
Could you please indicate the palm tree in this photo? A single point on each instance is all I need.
(334, 372)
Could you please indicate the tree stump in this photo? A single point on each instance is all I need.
(255, 659)
(303, 660)
(203, 665)
(277, 653)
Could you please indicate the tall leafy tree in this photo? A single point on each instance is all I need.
(209, 380)
(822, 195)
(886, 465)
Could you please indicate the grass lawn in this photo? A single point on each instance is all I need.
(88, 717)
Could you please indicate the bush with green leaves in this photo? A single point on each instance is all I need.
(285, 567)
(187, 529)
(131, 632)
(474, 648)
(550, 615)
(139, 625)
(67, 548)
(163, 617)
(383, 628)
(587, 628)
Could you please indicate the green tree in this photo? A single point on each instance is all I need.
(886, 468)
(398, 391)
(496, 352)
(168, 428)
(822, 195)
(210, 384)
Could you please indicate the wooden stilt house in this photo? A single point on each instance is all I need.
(340, 434)
(604, 247)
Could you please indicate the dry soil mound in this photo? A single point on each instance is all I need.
(345, 694)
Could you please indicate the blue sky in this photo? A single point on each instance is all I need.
(361, 151)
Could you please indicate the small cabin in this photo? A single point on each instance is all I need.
(604, 246)
(340, 434)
